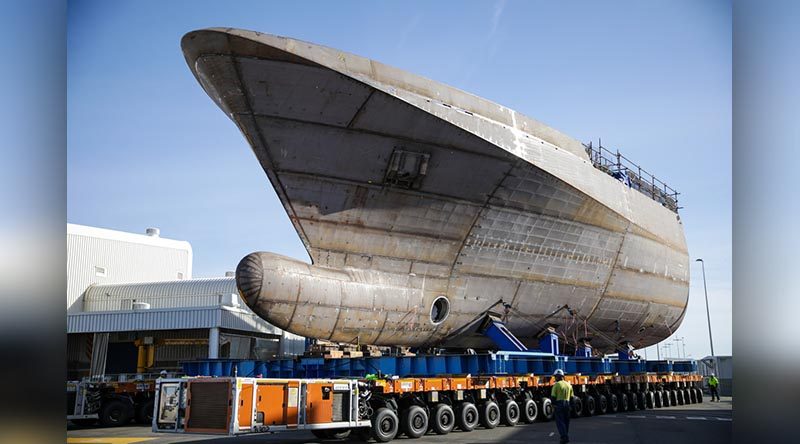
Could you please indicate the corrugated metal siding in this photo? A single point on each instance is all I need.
(124, 260)
(169, 319)
(165, 294)
(143, 320)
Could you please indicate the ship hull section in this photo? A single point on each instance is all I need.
(494, 206)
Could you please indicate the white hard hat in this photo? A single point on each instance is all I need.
(558, 372)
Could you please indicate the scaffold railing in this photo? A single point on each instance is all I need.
(626, 171)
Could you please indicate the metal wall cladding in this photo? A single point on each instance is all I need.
(143, 320)
(208, 292)
(125, 259)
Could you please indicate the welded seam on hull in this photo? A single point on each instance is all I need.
(469, 232)
(279, 188)
(479, 205)
(360, 108)
(610, 274)
(383, 326)
(504, 156)
(296, 301)
(367, 228)
(338, 310)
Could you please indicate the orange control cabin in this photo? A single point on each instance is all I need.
(233, 406)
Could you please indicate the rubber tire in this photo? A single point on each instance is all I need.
(84, 422)
(589, 405)
(690, 396)
(657, 402)
(641, 400)
(650, 397)
(414, 415)
(576, 407)
(115, 413)
(383, 417)
(623, 402)
(602, 404)
(679, 396)
(443, 419)
(490, 414)
(530, 411)
(670, 398)
(699, 395)
(632, 402)
(613, 403)
(144, 413)
(468, 417)
(510, 413)
(546, 409)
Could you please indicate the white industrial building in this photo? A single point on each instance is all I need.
(132, 306)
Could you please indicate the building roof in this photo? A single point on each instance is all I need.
(169, 319)
(174, 305)
(144, 239)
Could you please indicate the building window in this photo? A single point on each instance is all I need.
(180, 275)
(100, 271)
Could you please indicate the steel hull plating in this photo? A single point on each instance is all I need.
(404, 190)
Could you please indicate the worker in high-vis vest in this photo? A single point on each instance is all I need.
(561, 394)
(713, 385)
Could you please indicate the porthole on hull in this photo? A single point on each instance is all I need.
(439, 310)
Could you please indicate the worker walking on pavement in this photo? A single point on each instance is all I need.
(713, 385)
(561, 394)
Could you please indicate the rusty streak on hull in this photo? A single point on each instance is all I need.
(404, 190)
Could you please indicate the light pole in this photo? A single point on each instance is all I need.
(683, 343)
(708, 314)
(677, 349)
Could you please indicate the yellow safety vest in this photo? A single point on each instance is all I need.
(713, 381)
(562, 391)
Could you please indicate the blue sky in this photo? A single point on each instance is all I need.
(147, 147)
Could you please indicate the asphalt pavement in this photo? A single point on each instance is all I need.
(707, 423)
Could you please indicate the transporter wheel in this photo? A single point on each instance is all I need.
(467, 418)
(530, 411)
(589, 405)
(623, 402)
(577, 407)
(679, 397)
(649, 400)
(641, 400)
(144, 413)
(116, 413)
(690, 396)
(669, 401)
(657, 399)
(699, 394)
(613, 403)
(546, 410)
(490, 414)
(633, 401)
(509, 415)
(414, 421)
(443, 419)
(602, 404)
(385, 425)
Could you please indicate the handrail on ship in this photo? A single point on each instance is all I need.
(623, 169)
